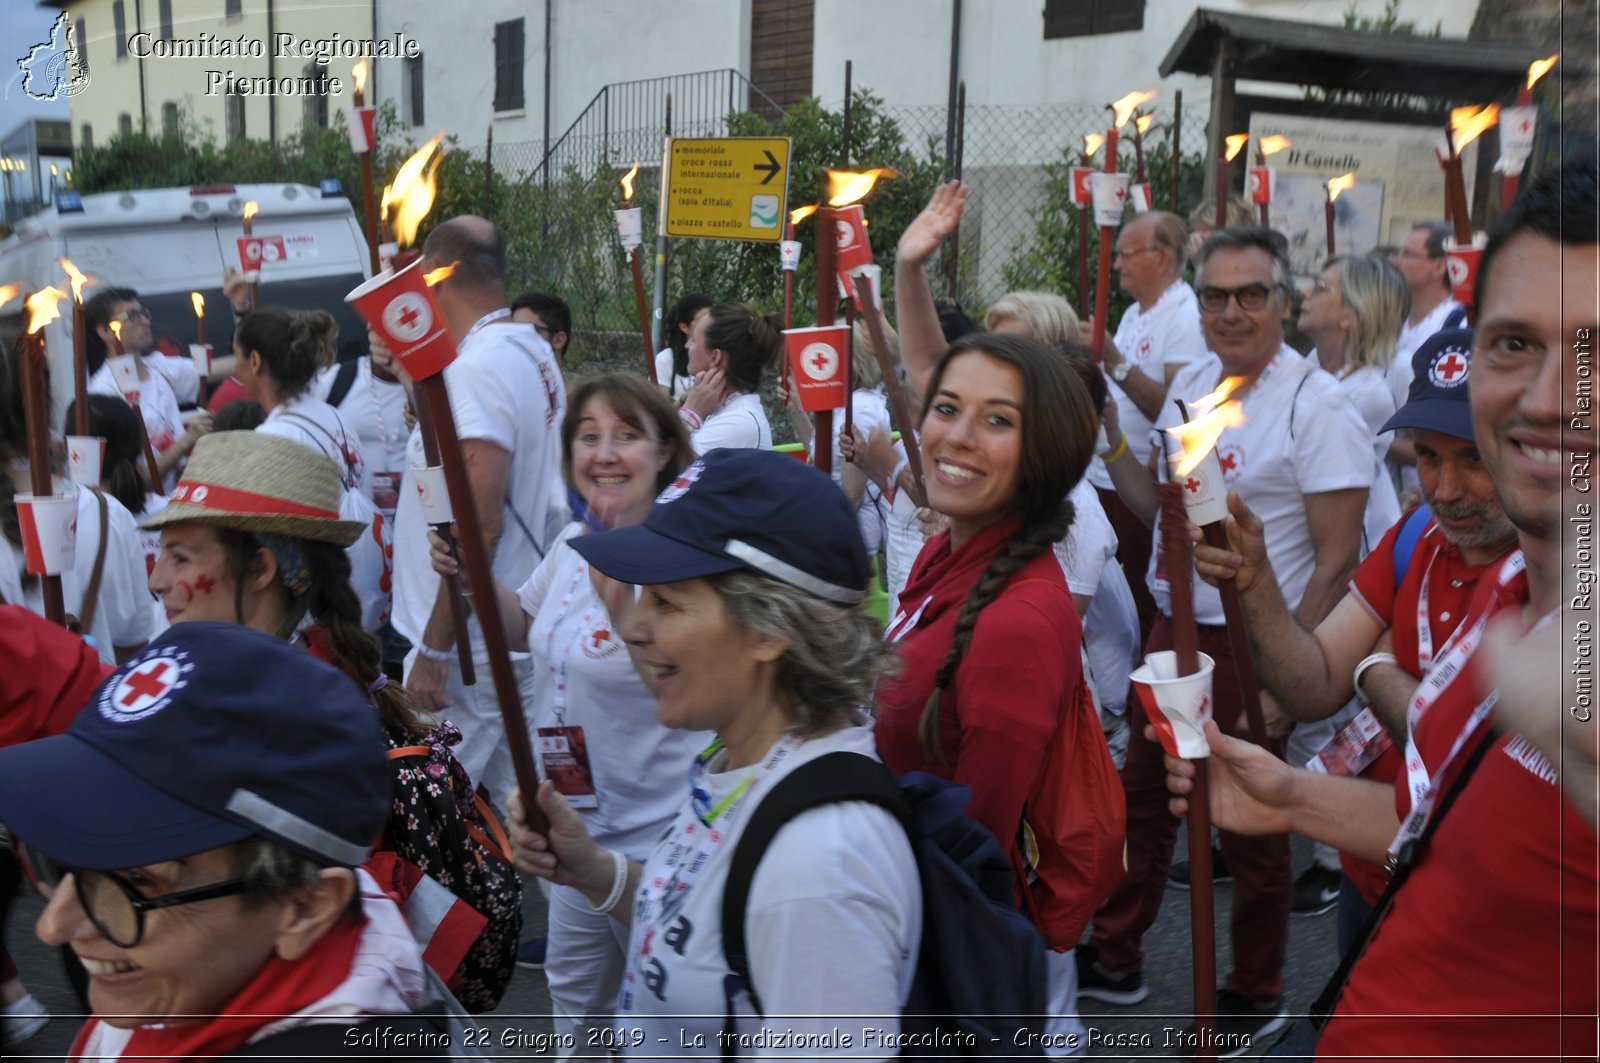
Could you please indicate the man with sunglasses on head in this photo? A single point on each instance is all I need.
(197, 833)
(1301, 458)
(163, 383)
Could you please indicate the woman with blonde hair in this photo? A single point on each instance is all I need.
(1044, 316)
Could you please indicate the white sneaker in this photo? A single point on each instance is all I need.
(22, 1020)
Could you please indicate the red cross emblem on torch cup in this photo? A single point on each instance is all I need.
(1192, 485)
(820, 361)
(1449, 369)
(408, 317)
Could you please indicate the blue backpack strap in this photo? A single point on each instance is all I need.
(1405, 544)
(829, 779)
(1457, 319)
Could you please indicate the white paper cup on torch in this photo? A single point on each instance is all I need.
(49, 532)
(1205, 492)
(86, 457)
(1176, 706)
(1517, 125)
(1263, 182)
(386, 253)
(1081, 178)
(789, 254)
(630, 228)
(431, 493)
(1110, 191)
(125, 373)
(200, 353)
(1139, 192)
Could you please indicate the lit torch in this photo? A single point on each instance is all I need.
(1081, 195)
(789, 259)
(1263, 177)
(1226, 152)
(1466, 125)
(251, 270)
(1109, 189)
(80, 357)
(42, 309)
(1141, 126)
(130, 392)
(200, 350)
(360, 123)
(401, 307)
(1331, 192)
(851, 259)
(630, 231)
(1517, 126)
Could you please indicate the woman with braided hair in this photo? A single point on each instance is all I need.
(253, 536)
(988, 635)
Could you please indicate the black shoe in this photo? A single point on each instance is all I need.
(1316, 890)
(1243, 1026)
(1108, 987)
(1178, 877)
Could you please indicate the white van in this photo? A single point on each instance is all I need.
(167, 242)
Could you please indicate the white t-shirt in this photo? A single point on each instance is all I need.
(313, 423)
(680, 384)
(1301, 436)
(127, 615)
(1168, 334)
(1411, 337)
(506, 389)
(869, 410)
(740, 423)
(180, 374)
(1088, 557)
(375, 410)
(583, 677)
(833, 925)
(158, 402)
(902, 538)
(1368, 391)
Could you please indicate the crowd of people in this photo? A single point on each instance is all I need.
(260, 705)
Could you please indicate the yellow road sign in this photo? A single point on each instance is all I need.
(727, 188)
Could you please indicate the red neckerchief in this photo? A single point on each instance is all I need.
(948, 576)
(282, 988)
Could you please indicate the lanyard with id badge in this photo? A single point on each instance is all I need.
(564, 748)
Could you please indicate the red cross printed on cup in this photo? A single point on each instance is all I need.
(820, 361)
(1193, 485)
(408, 317)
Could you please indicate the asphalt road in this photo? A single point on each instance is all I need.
(524, 1014)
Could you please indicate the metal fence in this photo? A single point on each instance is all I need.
(1007, 156)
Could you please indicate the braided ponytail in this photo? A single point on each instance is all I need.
(333, 604)
(1030, 541)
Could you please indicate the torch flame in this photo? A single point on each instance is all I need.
(1273, 144)
(116, 329)
(1339, 184)
(8, 292)
(627, 181)
(1236, 144)
(359, 72)
(251, 209)
(1469, 123)
(434, 276)
(1199, 435)
(42, 308)
(1144, 122)
(845, 188)
(1092, 143)
(1123, 109)
(412, 192)
(1539, 68)
(73, 274)
(199, 302)
(800, 214)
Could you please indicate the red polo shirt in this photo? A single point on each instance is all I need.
(1450, 583)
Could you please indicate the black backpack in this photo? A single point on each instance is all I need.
(980, 983)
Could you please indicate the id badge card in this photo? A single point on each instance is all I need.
(564, 754)
(1353, 749)
(386, 492)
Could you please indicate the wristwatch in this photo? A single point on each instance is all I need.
(1120, 371)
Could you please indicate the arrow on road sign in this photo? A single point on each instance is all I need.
(771, 167)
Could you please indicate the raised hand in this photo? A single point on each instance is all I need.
(937, 223)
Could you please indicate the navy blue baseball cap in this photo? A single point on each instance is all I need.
(742, 509)
(1437, 400)
(212, 734)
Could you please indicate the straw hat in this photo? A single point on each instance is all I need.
(253, 481)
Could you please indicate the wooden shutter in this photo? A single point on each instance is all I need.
(1118, 16)
(781, 33)
(165, 8)
(508, 65)
(414, 83)
(119, 28)
(1068, 18)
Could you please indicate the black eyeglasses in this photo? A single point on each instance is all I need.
(1249, 296)
(112, 904)
(136, 313)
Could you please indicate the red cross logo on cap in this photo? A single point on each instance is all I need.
(677, 488)
(142, 690)
(1449, 368)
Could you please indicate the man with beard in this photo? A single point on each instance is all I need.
(1405, 600)
(1484, 943)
